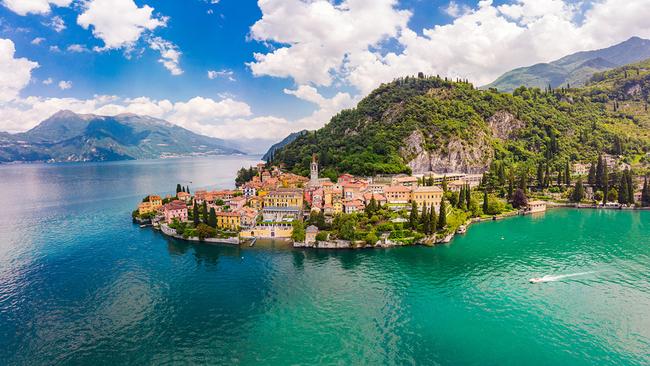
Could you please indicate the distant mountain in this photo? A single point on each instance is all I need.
(67, 137)
(287, 140)
(575, 69)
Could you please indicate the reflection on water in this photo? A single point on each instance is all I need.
(79, 284)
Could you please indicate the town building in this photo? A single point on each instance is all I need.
(427, 195)
(228, 220)
(310, 234)
(536, 206)
(397, 195)
(268, 231)
(175, 210)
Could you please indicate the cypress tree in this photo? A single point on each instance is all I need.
(205, 213)
(188, 190)
(213, 218)
(605, 182)
(630, 187)
(432, 220)
(540, 175)
(578, 191)
(413, 219)
(485, 202)
(599, 172)
(559, 178)
(461, 199)
(442, 217)
(444, 184)
(591, 178)
(468, 197)
(195, 214)
(424, 219)
(623, 190)
(567, 174)
(178, 188)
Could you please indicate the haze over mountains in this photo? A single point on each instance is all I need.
(71, 137)
(575, 69)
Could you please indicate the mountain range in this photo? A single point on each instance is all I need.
(575, 69)
(71, 137)
(287, 140)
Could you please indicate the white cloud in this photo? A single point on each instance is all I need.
(320, 35)
(118, 23)
(48, 81)
(169, 54)
(225, 73)
(15, 73)
(65, 85)
(37, 40)
(78, 48)
(55, 49)
(327, 107)
(454, 10)
(319, 42)
(57, 23)
(23, 7)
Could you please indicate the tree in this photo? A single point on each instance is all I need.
(485, 201)
(178, 188)
(623, 193)
(442, 216)
(424, 218)
(612, 195)
(600, 168)
(204, 212)
(630, 187)
(298, 233)
(444, 184)
(645, 193)
(347, 230)
(578, 191)
(371, 208)
(204, 231)
(540, 175)
(519, 199)
(413, 218)
(195, 214)
(432, 220)
(461, 199)
(468, 196)
(212, 221)
(567, 174)
(188, 190)
(591, 178)
(605, 183)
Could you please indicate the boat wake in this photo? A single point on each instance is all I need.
(550, 278)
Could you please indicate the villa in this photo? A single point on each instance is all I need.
(175, 210)
(427, 195)
(228, 220)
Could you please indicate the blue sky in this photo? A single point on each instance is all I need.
(259, 70)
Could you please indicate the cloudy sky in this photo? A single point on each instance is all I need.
(241, 69)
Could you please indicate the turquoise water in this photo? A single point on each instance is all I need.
(81, 285)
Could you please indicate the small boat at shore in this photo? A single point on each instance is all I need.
(462, 229)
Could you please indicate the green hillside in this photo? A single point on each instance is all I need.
(418, 124)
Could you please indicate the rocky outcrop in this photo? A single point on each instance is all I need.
(504, 125)
(457, 156)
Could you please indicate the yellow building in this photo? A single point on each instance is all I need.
(270, 231)
(228, 220)
(397, 194)
(427, 196)
(144, 208)
(286, 197)
(337, 207)
(156, 202)
(256, 203)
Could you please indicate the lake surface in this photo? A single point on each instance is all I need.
(81, 285)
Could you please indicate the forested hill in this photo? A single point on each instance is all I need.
(418, 124)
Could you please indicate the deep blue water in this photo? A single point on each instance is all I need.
(81, 285)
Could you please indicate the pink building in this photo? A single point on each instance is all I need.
(175, 210)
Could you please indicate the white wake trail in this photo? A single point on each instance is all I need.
(553, 278)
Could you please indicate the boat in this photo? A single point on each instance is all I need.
(536, 280)
(462, 229)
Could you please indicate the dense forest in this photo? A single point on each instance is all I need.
(551, 127)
